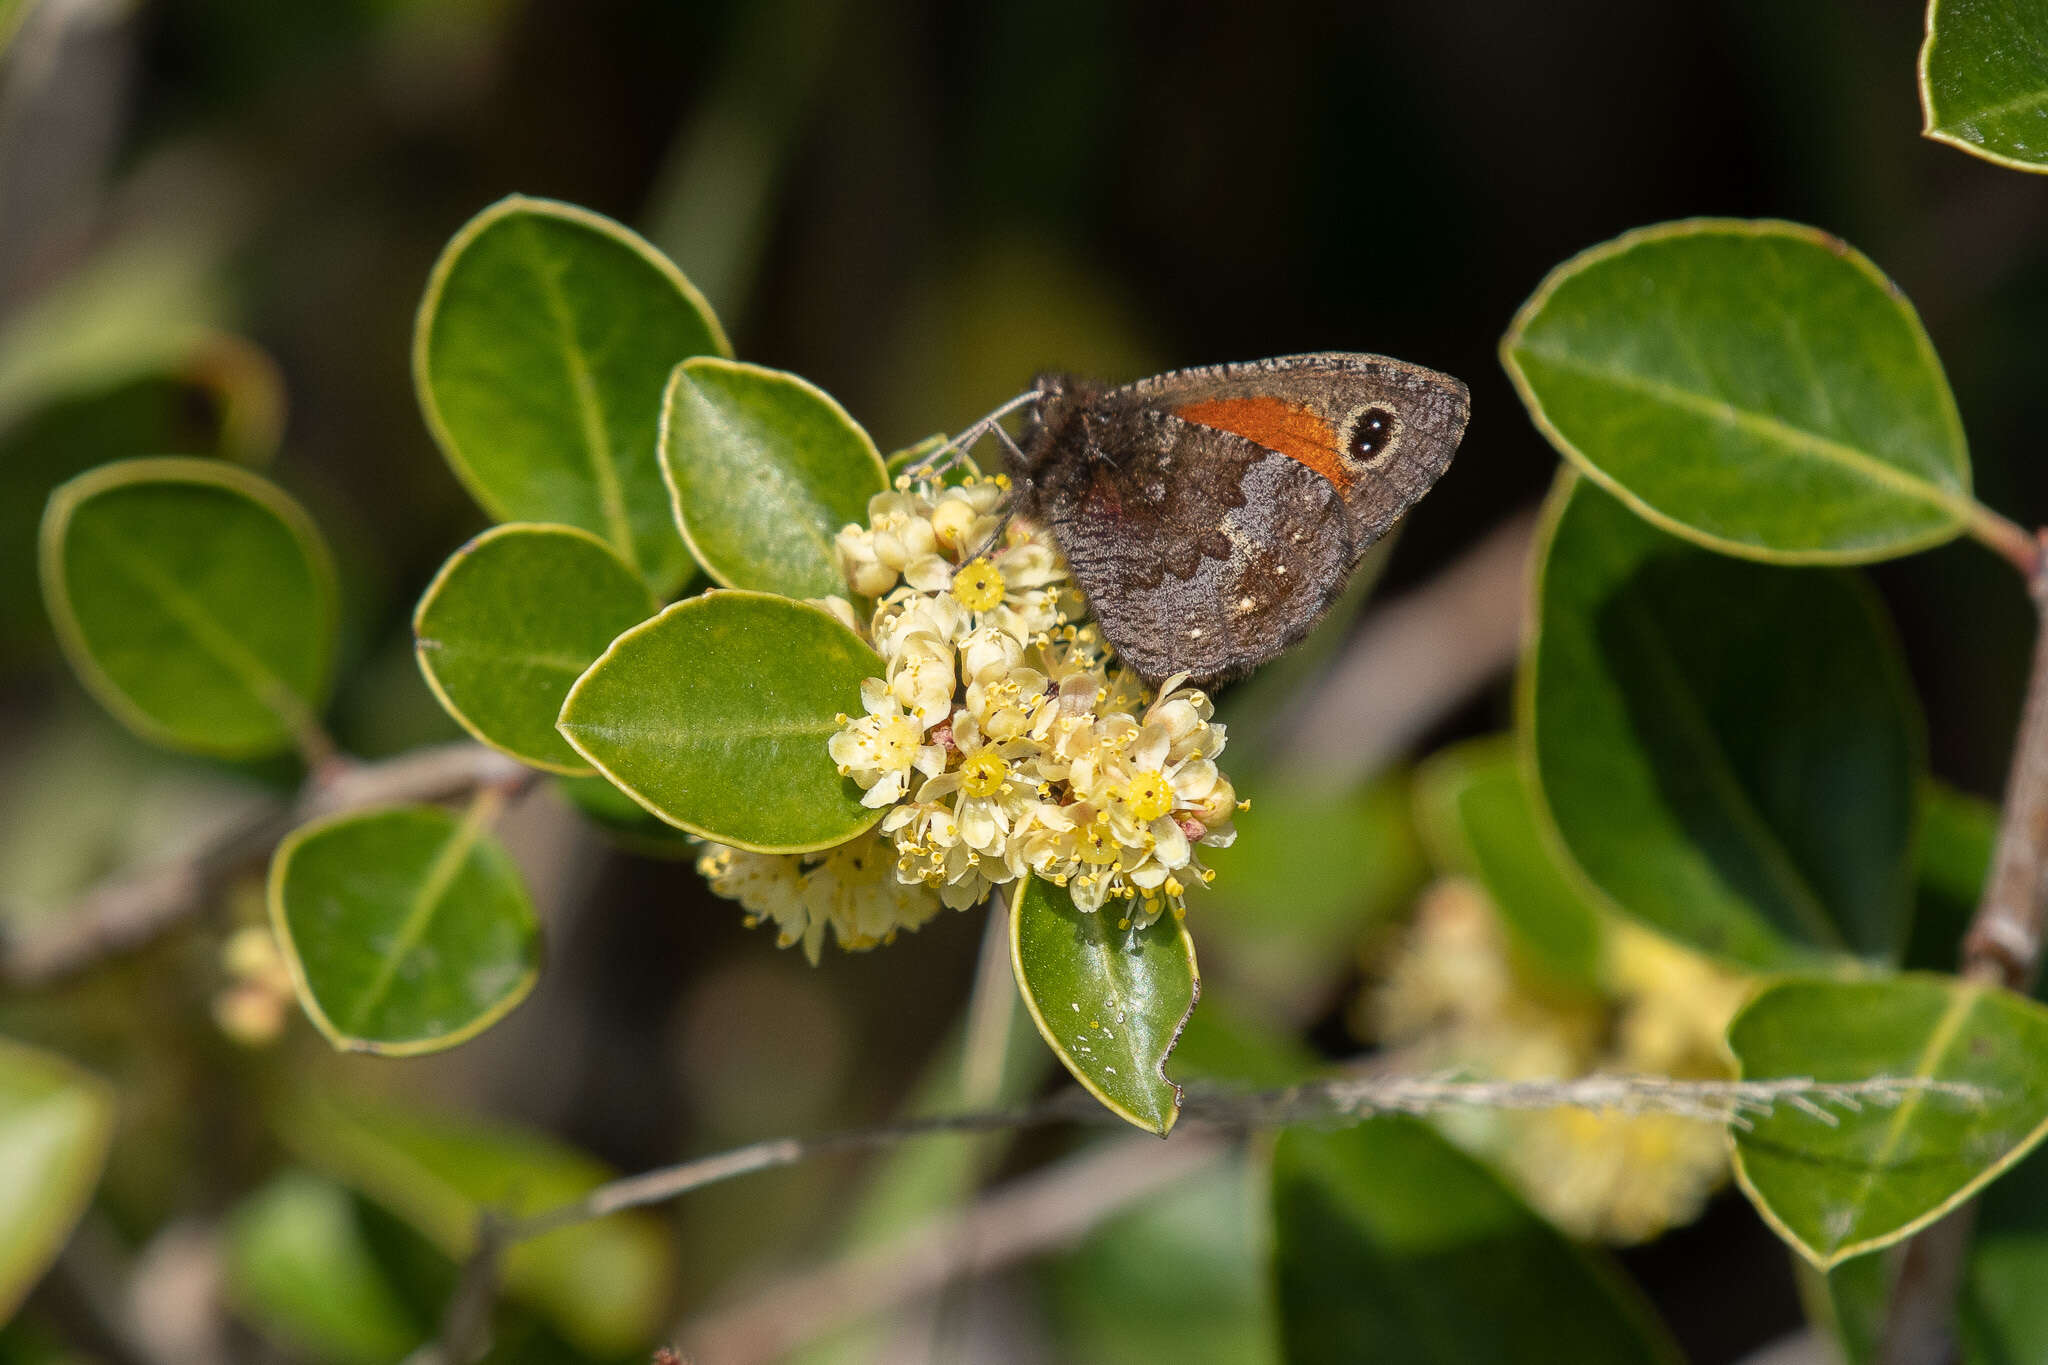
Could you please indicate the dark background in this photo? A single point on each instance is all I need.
(916, 205)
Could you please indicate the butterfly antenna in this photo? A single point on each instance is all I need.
(949, 456)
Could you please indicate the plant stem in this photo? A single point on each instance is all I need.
(2008, 539)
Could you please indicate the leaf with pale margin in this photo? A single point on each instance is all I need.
(195, 600)
(715, 716)
(408, 930)
(509, 624)
(1111, 1002)
(1730, 752)
(1758, 387)
(1837, 1190)
(764, 470)
(1984, 79)
(540, 352)
(1391, 1244)
(56, 1123)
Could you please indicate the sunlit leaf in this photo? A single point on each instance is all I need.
(543, 342)
(1984, 79)
(1758, 387)
(55, 1125)
(765, 469)
(509, 624)
(715, 716)
(1391, 1244)
(1108, 999)
(1730, 751)
(408, 930)
(195, 600)
(1837, 1190)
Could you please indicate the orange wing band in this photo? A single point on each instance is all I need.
(1280, 426)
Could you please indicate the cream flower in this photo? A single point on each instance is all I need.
(882, 748)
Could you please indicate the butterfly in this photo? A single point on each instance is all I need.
(1211, 516)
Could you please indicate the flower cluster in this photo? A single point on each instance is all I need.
(1002, 739)
(1454, 998)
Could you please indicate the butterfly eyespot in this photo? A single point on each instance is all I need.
(1372, 431)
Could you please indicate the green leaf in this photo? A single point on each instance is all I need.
(408, 930)
(195, 600)
(602, 1284)
(715, 716)
(1957, 832)
(1729, 751)
(509, 624)
(542, 345)
(1390, 1244)
(296, 1263)
(1984, 80)
(1837, 1191)
(625, 821)
(56, 1122)
(1758, 387)
(1473, 805)
(765, 469)
(1110, 1002)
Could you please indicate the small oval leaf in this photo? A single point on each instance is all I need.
(765, 469)
(1110, 1002)
(1837, 1190)
(1391, 1244)
(715, 716)
(1481, 820)
(56, 1123)
(1758, 387)
(408, 930)
(195, 600)
(541, 348)
(1984, 80)
(509, 624)
(1729, 751)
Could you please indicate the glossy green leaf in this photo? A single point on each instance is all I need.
(195, 600)
(295, 1262)
(1391, 1244)
(765, 469)
(1109, 1001)
(1482, 821)
(1838, 1190)
(602, 1284)
(509, 624)
(1758, 387)
(56, 1122)
(1730, 751)
(408, 930)
(1984, 79)
(715, 716)
(543, 342)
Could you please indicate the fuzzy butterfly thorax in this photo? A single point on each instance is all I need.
(1212, 515)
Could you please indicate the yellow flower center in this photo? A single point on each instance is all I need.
(983, 773)
(896, 742)
(1149, 796)
(979, 585)
(1098, 845)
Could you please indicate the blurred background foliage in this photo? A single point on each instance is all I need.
(216, 217)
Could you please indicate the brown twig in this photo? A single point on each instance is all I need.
(125, 912)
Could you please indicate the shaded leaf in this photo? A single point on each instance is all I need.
(1480, 817)
(1984, 80)
(625, 821)
(1109, 1001)
(195, 600)
(1839, 1190)
(56, 1122)
(765, 468)
(408, 930)
(1758, 387)
(715, 716)
(1729, 751)
(1390, 1244)
(1952, 859)
(509, 624)
(601, 1284)
(542, 345)
(296, 1263)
